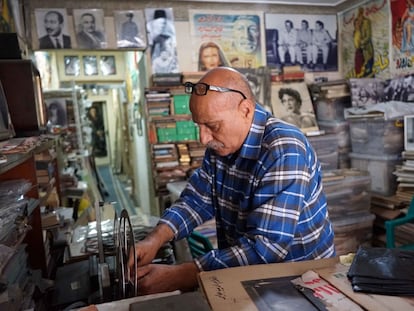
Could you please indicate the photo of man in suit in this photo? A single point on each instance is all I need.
(88, 35)
(54, 27)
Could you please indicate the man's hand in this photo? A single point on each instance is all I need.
(147, 249)
(156, 278)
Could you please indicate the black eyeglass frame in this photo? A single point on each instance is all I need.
(191, 88)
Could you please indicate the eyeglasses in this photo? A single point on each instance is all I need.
(202, 88)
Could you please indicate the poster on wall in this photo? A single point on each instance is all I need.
(365, 39)
(52, 29)
(402, 14)
(227, 39)
(162, 40)
(309, 41)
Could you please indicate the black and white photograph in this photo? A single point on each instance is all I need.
(259, 80)
(90, 29)
(72, 65)
(309, 41)
(52, 29)
(107, 65)
(366, 91)
(90, 65)
(162, 40)
(130, 29)
(399, 88)
(56, 111)
(291, 102)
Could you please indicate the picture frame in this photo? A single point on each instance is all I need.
(72, 65)
(130, 29)
(107, 65)
(90, 65)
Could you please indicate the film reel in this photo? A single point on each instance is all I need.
(126, 244)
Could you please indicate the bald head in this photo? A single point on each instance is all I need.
(225, 112)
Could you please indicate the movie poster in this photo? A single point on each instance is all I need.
(402, 14)
(365, 37)
(227, 39)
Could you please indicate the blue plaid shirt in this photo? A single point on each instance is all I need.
(267, 200)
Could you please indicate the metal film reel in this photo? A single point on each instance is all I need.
(128, 285)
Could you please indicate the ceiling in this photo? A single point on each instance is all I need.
(331, 3)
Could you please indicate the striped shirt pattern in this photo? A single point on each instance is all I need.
(267, 199)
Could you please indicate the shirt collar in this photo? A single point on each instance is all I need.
(252, 145)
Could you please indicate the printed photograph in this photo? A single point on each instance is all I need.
(300, 39)
(292, 103)
(130, 29)
(227, 39)
(90, 65)
(90, 29)
(52, 29)
(162, 40)
(56, 111)
(366, 91)
(107, 65)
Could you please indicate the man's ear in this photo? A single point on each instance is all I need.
(246, 108)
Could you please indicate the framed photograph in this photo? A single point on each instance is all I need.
(301, 39)
(107, 65)
(291, 102)
(72, 65)
(90, 29)
(130, 29)
(90, 65)
(52, 29)
(56, 111)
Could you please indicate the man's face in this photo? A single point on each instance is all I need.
(88, 23)
(52, 25)
(220, 129)
(246, 33)
(158, 26)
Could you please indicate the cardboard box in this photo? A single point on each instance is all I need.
(224, 290)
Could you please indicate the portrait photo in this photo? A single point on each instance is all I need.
(90, 65)
(72, 65)
(56, 111)
(235, 38)
(52, 29)
(291, 102)
(90, 28)
(309, 41)
(162, 40)
(130, 29)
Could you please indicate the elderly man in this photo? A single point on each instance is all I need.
(261, 181)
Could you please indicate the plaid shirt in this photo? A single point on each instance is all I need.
(267, 200)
